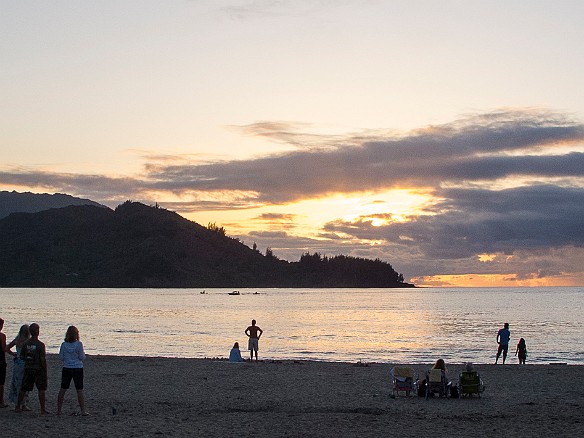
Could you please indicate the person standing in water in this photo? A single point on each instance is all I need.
(254, 333)
(503, 336)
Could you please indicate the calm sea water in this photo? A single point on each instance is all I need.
(373, 325)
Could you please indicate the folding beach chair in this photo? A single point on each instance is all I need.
(436, 383)
(470, 383)
(403, 381)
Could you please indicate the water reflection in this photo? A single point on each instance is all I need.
(324, 324)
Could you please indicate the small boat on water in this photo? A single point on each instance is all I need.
(235, 292)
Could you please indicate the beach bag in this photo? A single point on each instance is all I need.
(454, 392)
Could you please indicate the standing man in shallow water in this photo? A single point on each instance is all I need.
(503, 336)
(254, 333)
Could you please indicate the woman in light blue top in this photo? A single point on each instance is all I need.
(18, 369)
(235, 354)
(72, 355)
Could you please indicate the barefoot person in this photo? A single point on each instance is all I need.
(72, 355)
(2, 364)
(18, 365)
(35, 369)
(254, 333)
(503, 336)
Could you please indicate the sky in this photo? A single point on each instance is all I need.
(445, 137)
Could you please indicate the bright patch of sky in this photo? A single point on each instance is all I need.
(405, 130)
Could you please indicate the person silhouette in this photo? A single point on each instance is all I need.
(254, 333)
(235, 354)
(503, 336)
(35, 369)
(521, 351)
(18, 365)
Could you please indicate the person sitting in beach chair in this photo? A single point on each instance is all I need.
(437, 381)
(470, 382)
(402, 380)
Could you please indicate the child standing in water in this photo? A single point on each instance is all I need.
(521, 351)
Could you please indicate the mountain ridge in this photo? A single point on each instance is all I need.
(27, 202)
(141, 246)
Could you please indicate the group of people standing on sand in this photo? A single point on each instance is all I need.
(253, 333)
(30, 368)
(503, 338)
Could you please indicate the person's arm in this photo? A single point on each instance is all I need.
(247, 332)
(8, 348)
(498, 337)
(517, 349)
(2, 343)
(81, 351)
(260, 331)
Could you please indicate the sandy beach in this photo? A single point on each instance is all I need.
(212, 397)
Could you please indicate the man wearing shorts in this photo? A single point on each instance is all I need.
(503, 340)
(34, 354)
(254, 333)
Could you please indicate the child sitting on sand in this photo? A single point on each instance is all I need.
(235, 354)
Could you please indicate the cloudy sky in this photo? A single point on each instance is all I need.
(443, 136)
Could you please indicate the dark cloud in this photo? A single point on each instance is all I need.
(269, 234)
(463, 151)
(482, 147)
(463, 163)
(276, 218)
(474, 221)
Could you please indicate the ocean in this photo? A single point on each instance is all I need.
(370, 325)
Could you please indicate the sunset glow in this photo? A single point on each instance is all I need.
(446, 139)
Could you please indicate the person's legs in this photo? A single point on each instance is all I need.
(20, 400)
(60, 399)
(41, 384)
(499, 350)
(2, 381)
(78, 380)
(28, 379)
(42, 399)
(81, 400)
(505, 347)
(250, 348)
